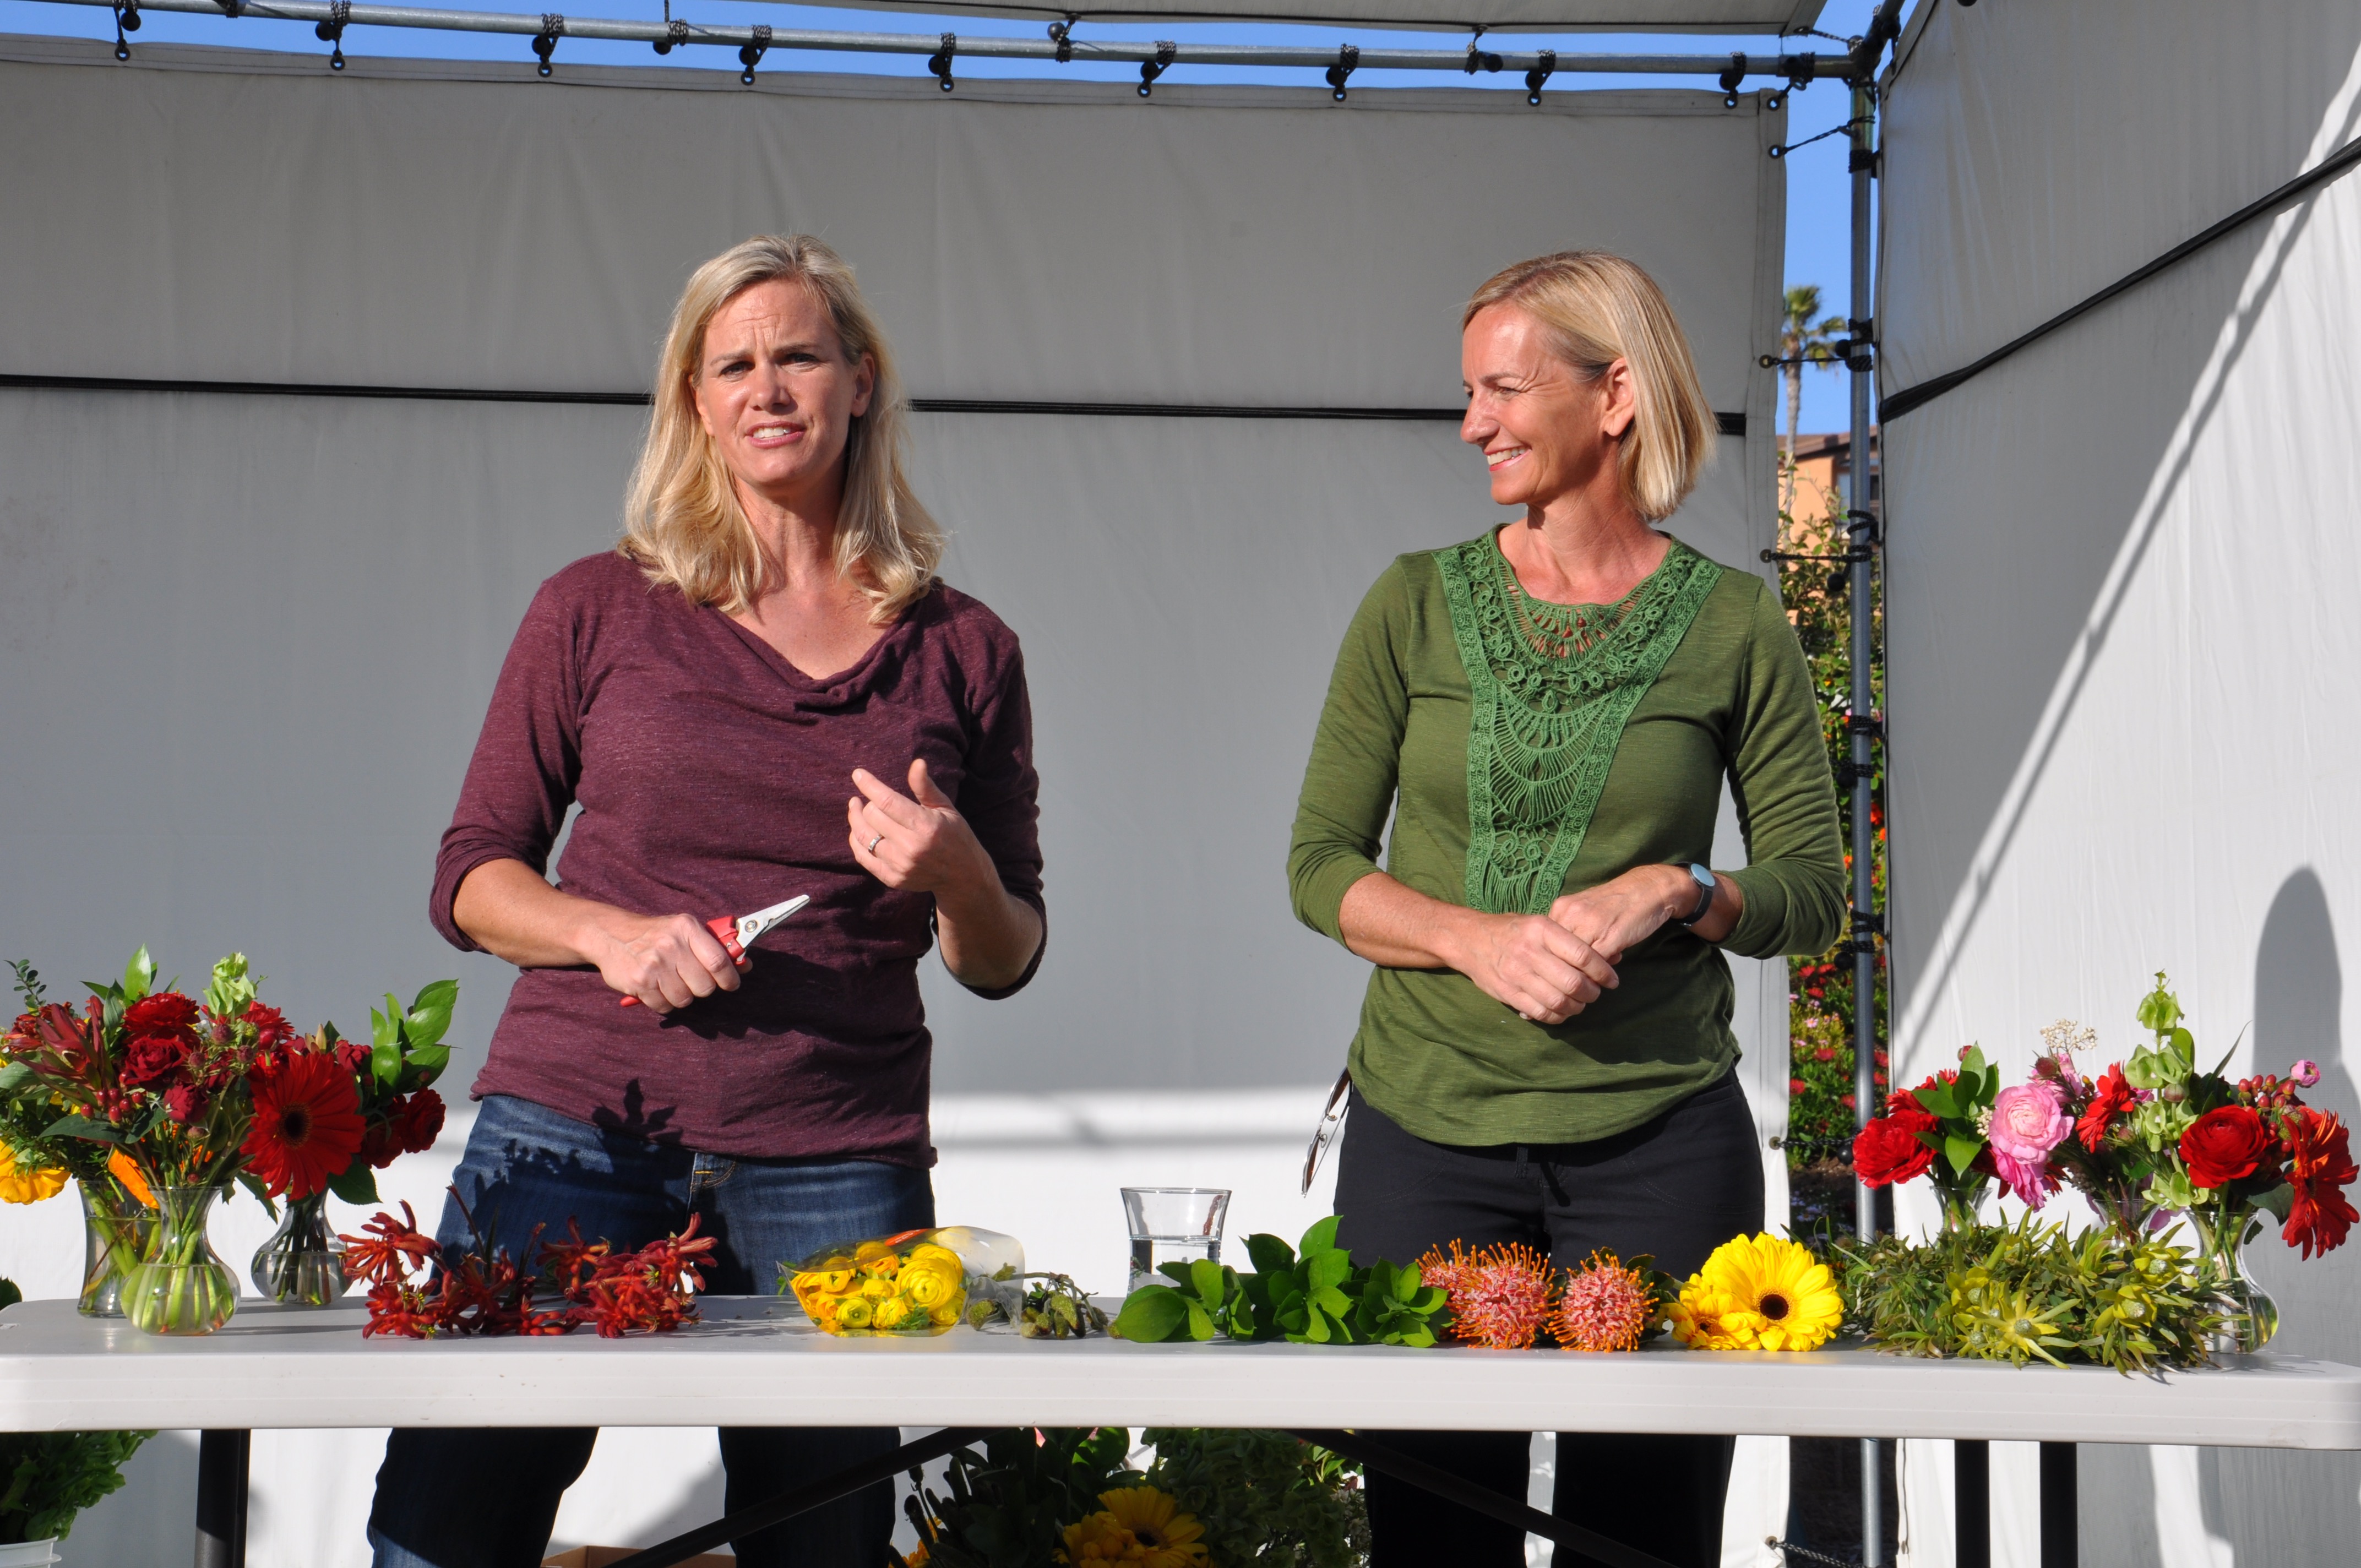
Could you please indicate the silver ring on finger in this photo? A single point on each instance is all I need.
(874, 842)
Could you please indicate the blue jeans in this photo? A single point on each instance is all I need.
(487, 1498)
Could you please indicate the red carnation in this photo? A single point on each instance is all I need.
(2224, 1145)
(307, 1125)
(2319, 1167)
(2109, 1100)
(1889, 1149)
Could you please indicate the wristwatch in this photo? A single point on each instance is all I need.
(1706, 884)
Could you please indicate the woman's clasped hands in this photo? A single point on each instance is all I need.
(1550, 967)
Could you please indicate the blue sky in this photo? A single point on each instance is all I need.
(1818, 190)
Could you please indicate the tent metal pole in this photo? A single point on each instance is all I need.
(1112, 51)
(1862, 504)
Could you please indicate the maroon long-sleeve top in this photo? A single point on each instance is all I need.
(712, 777)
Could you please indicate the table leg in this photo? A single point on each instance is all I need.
(222, 1458)
(1971, 1504)
(761, 1516)
(2060, 1507)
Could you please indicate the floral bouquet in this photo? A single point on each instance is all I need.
(918, 1282)
(2148, 1138)
(1938, 1131)
(158, 1101)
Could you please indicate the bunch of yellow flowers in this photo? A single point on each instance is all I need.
(893, 1285)
(1759, 1292)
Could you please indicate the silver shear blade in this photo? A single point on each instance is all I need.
(1332, 1122)
(752, 925)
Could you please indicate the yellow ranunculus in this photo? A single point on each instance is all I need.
(927, 1254)
(876, 1289)
(855, 1313)
(948, 1313)
(925, 1288)
(1099, 1537)
(21, 1184)
(890, 1313)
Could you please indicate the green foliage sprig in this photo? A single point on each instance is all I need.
(1265, 1497)
(1310, 1296)
(2017, 1292)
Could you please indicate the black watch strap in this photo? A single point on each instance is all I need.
(1706, 885)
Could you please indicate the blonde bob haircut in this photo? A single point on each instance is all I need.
(682, 522)
(1597, 308)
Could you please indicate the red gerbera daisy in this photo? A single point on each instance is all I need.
(307, 1125)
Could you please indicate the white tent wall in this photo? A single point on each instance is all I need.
(2120, 621)
(248, 639)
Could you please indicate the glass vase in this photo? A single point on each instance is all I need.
(180, 1286)
(2252, 1317)
(116, 1228)
(302, 1264)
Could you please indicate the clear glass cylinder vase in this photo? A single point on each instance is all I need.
(302, 1264)
(116, 1228)
(2251, 1316)
(181, 1286)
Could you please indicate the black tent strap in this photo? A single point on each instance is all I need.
(2341, 161)
(1728, 423)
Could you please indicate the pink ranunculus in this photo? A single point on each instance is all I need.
(2028, 1120)
(2305, 1073)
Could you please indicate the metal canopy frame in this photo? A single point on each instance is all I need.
(1858, 68)
(941, 50)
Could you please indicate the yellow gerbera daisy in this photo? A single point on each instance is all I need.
(1764, 1293)
(1099, 1538)
(1167, 1538)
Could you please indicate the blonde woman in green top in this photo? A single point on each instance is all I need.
(1548, 712)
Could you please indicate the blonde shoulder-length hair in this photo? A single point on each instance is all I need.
(682, 522)
(1598, 308)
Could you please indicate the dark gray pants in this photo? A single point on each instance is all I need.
(1675, 1187)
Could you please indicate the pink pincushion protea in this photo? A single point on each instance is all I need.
(1500, 1295)
(1606, 1306)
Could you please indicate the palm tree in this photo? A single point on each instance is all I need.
(1800, 340)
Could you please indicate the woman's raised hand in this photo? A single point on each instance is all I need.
(917, 842)
(1535, 965)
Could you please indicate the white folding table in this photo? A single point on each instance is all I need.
(754, 1361)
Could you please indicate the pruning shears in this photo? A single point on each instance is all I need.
(737, 933)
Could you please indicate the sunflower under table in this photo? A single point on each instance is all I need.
(754, 1361)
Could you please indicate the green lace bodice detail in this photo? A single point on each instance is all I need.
(1552, 686)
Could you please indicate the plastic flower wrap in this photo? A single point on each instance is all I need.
(917, 1282)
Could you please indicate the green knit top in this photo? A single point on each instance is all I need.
(1591, 740)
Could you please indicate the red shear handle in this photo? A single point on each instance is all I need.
(723, 926)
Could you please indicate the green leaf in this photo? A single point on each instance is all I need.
(13, 1076)
(138, 976)
(430, 1014)
(1269, 1253)
(1320, 1238)
(1942, 1100)
(1211, 1281)
(1325, 1269)
(2277, 1201)
(1152, 1314)
(81, 1127)
(356, 1183)
(1201, 1322)
(422, 1068)
(1961, 1152)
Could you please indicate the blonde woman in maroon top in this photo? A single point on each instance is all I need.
(764, 692)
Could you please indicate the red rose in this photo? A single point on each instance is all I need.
(2112, 1098)
(421, 1122)
(2225, 1145)
(159, 1033)
(411, 1126)
(2319, 1167)
(1889, 1149)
